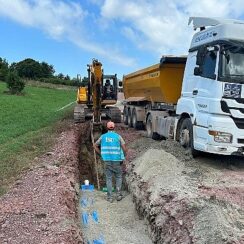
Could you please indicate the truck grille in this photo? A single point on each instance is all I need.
(239, 100)
(241, 141)
(239, 123)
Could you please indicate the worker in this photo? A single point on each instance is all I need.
(108, 90)
(113, 152)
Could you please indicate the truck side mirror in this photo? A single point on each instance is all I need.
(197, 71)
(120, 83)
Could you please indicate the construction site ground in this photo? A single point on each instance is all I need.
(173, 197)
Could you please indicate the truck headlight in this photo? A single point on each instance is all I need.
(219, 136)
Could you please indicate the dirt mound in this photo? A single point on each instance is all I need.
(186, 200)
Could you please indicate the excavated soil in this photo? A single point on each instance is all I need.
(186, 200)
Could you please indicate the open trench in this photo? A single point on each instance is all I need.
(115, 222)
(173, 198)
(86, 158)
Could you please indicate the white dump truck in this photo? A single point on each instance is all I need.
(197, 100)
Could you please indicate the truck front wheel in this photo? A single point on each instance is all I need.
(136, 124)
(186, 136)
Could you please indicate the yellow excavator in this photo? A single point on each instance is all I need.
(96, 100)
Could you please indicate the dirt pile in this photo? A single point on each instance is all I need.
(186, 200)
(41, 207)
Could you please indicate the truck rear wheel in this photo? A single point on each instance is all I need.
(150, 133)
(129, 118)
(125, 116)
(186, 136)
(135, 123)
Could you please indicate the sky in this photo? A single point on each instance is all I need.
(125, 35)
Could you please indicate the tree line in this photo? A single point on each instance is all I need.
(15, 74)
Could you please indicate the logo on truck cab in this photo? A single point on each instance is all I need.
(154, 74)
(204, 36)
(202, 105)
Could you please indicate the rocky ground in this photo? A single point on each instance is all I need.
(181, 199)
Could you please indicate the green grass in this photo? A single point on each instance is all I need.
(29, 124)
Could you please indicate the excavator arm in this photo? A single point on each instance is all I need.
(96, 75)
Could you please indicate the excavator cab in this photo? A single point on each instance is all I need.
(109, 89)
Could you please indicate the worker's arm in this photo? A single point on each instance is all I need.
(95, 146)
(124, 149)
(122, 142)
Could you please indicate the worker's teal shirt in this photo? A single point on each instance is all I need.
(111, 147)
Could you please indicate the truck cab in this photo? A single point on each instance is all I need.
(210, 111)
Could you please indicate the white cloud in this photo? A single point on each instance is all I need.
(54, 17)
(161, 25)
(156, 25)
(60, 20)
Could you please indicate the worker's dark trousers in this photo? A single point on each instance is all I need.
(110, 169)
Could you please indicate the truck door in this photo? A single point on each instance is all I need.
(207, 90)
(200, 91)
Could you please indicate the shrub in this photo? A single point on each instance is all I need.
(14, 83)
(58, 81)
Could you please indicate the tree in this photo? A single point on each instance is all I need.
(60, 76)
(3, 69)
(28, 68)
(32, 69)
(12, 67)
(47, 70)
(85, 81)
(67, 77)
(14, 83)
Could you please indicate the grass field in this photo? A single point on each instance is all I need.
(28, 126)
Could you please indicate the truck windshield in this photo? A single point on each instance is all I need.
(232, 69)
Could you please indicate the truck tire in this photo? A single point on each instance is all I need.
(125, 116)
(150, 133)
(129, 118)
(135, 123)
(186, 136)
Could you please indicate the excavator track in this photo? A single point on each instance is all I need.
(79, 113)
